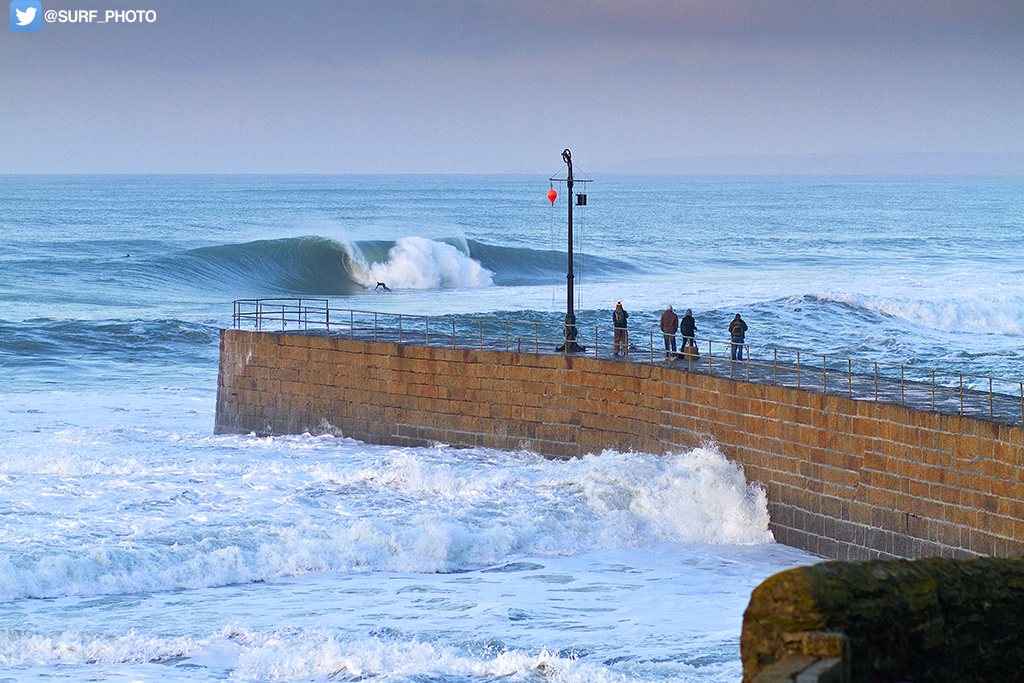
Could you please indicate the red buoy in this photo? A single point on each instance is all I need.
(552, 195)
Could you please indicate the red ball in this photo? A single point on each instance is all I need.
(552, 195)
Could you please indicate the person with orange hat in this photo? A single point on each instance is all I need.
(619, 316)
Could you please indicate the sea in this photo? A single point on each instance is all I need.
(137, 545)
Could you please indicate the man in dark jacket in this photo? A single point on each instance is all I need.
(619, 316)
(687, 327)
(669, 325)
(737, 332)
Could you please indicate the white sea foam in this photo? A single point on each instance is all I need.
(322, 655)
(68, 647)
(113, 505)
(420, 263)
(295, 654)
(533, 617)
(999, 315)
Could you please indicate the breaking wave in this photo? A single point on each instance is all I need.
(416, 511)
(318, 266)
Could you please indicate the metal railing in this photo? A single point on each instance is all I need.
(951, 393)
(300, 314)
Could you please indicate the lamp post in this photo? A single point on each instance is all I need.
(571, 330)
(570, 276)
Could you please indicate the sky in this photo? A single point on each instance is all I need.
(503, 86)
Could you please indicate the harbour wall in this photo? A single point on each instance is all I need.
(845, 479)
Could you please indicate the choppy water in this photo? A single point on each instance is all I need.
(136, 545)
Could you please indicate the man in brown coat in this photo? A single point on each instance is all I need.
(669, 325)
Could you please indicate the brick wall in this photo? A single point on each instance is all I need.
(845, 479)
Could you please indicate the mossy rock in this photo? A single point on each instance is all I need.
(906, 620)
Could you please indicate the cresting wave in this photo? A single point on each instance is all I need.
(328, 507)
(317, 266)
(954, 311)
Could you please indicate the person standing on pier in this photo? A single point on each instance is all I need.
(687, 328)
(737, 331)
(619, 316)
(669, 325)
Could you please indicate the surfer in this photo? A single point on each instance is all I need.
(380, 285)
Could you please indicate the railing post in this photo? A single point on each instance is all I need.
(375, 326)
(797, 369)
(775, 366)
(990, 397)
(506, 335)
(961, 393)
(351, 324)
(876, 381)
(480, 323)
(426, 330)
(903, 400)
(933, 391)
(652, 347)
(536, 341)
(453, 334)
(849, 378)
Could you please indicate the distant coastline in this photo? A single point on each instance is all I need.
(916, 164)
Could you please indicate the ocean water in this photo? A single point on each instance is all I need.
(136, 545)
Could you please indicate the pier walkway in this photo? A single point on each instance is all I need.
(950, 393)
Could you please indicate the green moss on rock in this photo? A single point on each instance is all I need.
(906, 620)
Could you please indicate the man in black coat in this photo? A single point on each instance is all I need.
(687, 328)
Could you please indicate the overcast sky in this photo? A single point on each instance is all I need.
(477, 86)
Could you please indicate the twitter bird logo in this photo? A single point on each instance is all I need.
(26, 15)
(25, 18)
